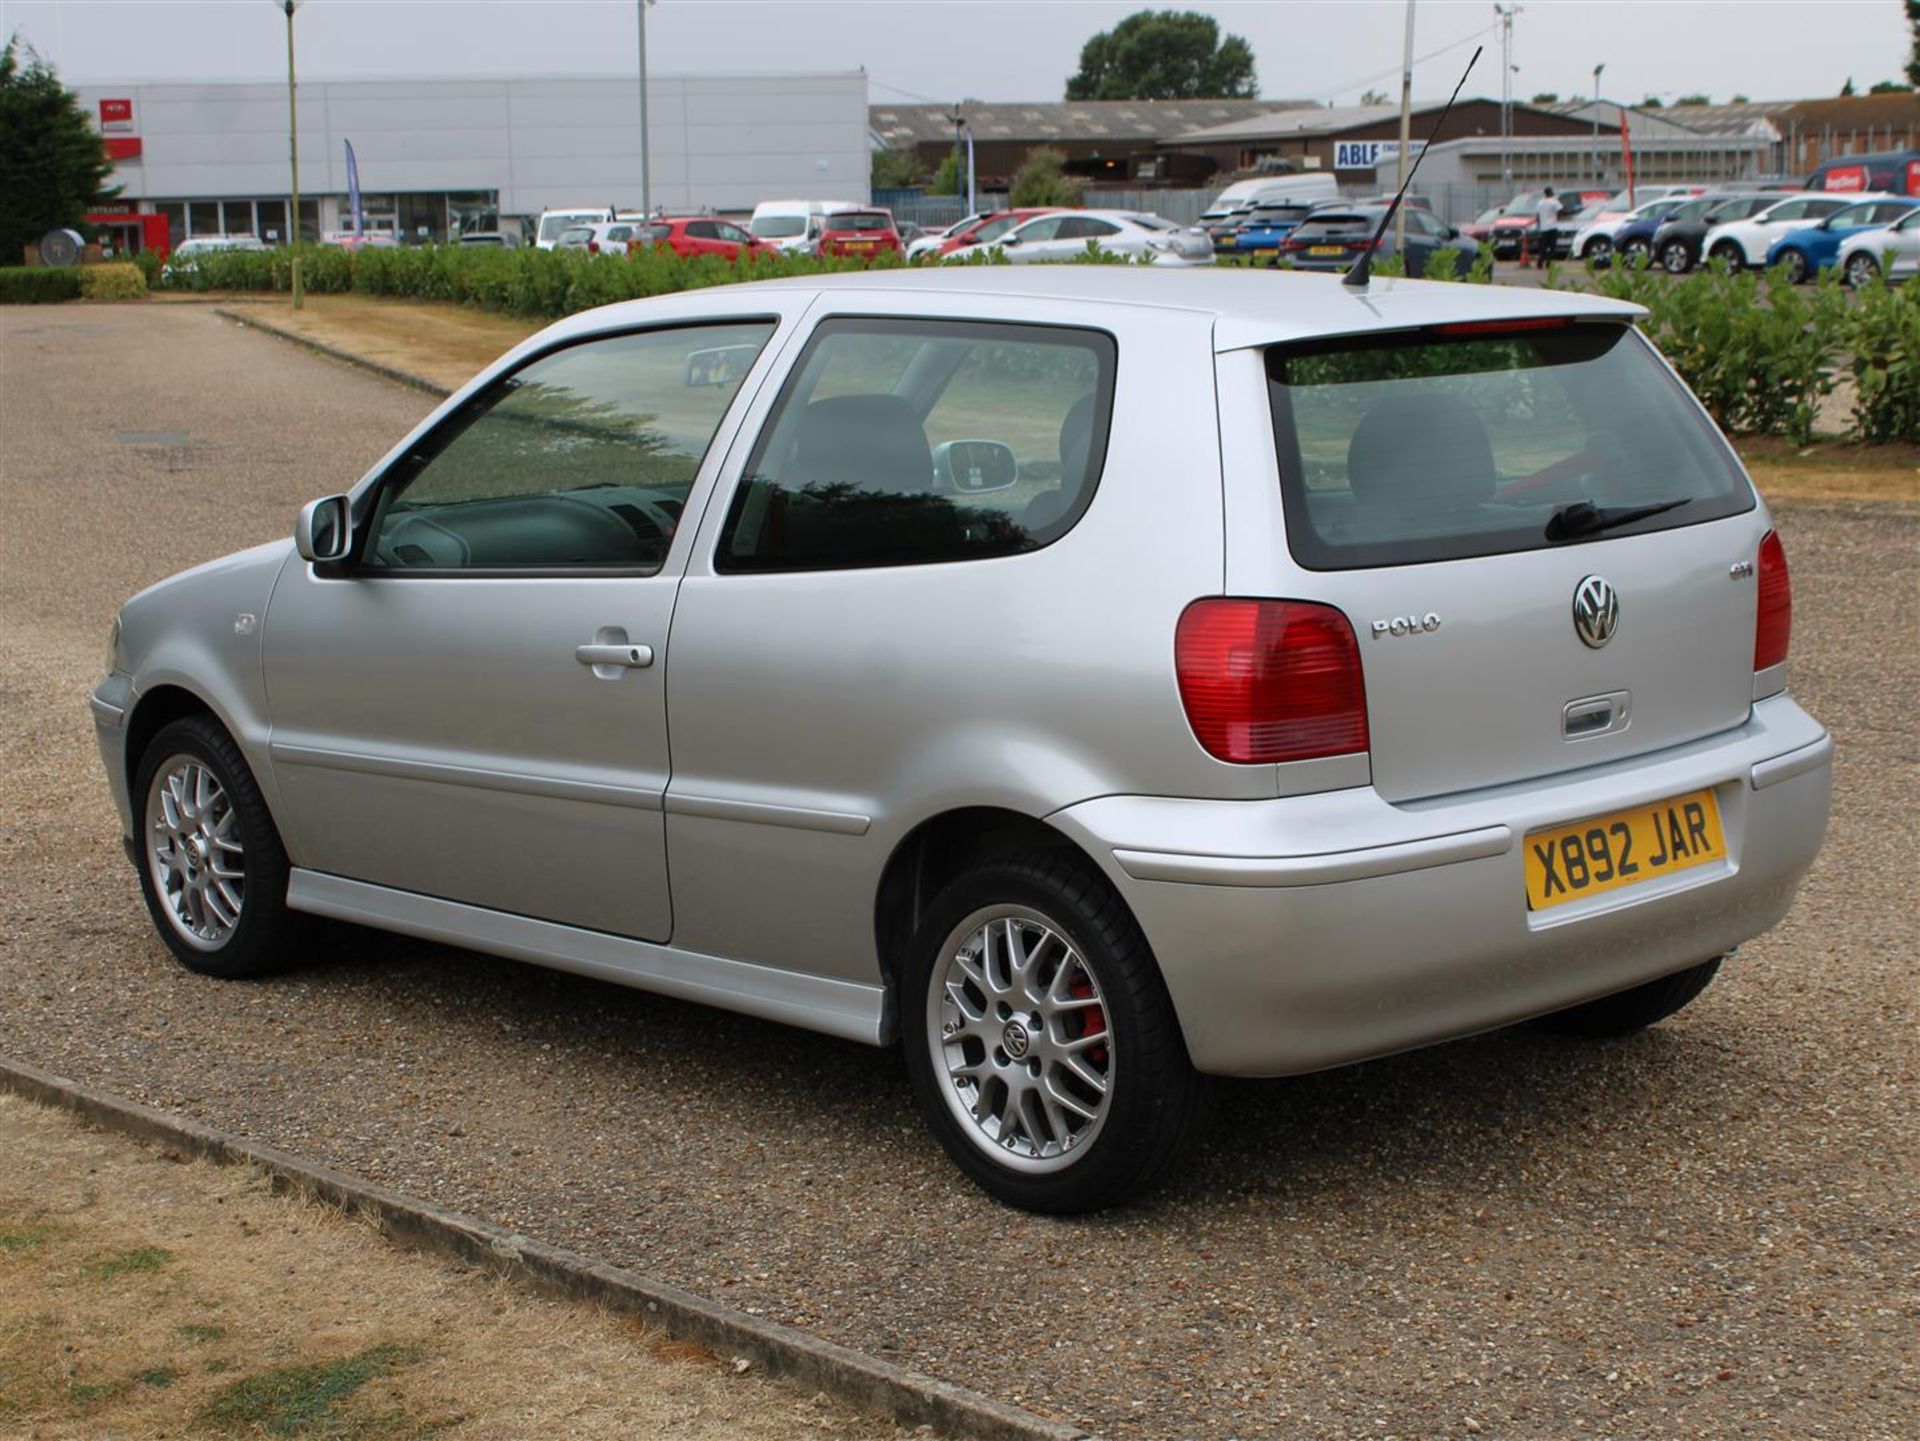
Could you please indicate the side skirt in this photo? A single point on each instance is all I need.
(846, 1009)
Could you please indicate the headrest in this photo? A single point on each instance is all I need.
(870, 442)
(1425, 450)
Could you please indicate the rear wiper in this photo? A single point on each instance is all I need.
(1584, 518)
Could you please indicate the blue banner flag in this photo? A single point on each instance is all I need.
(353, 192)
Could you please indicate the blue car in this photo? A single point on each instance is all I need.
(1807, 252)
(1633, 241)
(1266, 226)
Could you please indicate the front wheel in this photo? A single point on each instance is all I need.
(1636, 253)
(1796, 265)
(1677, 257)
(1862, 269)
(1625, 1012)
(1599, 250)
(212, 868)
(1042, 1045)
(1729, 256)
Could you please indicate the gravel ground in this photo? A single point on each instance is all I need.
(1708, 1230)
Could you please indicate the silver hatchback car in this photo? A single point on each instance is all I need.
(1090, 678)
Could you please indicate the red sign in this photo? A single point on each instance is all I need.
(116, 115)
(123, 147)
(1846, 177)
(1913, 177)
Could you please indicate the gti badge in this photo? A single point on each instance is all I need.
(1596, 611)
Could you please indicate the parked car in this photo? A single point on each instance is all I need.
(794, 227)
(1266, 226)
(1068, 233)
(555, 223)
(574, 237)
(1231, 208)
(1333, 238)
(185, 257)
(1519, 218)
(616, 236)
(1677, 240)
(1086, 678)
(930, 242)
(1891, 172)
(1632, 243)
(1806, 253)
(1588, 233)
(1893, 251)
(495, 239)
(702, 235)
(1481, 226)
(860, 234)
(1737, 244)
(983, 229)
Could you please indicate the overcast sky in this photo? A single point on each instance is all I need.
(988, 49)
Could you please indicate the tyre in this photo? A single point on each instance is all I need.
(1862, 269)
(1625, 1012)
(211, 864)
(1729, 256)
(1599, 250)
(1636, 253)
(1796, 264)
(1676, 257)
(1042, 1045)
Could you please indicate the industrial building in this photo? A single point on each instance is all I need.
(439, 157)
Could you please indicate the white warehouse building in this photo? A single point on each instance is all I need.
(439, 157)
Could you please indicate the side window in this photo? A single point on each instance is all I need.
(731, 232)
(1428, 224)
(581, 459)
(1046, 229)
(703, 230)
(906, 442)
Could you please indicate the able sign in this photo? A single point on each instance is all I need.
(1367, 154)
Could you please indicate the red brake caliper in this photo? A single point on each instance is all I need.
(1093, 1020)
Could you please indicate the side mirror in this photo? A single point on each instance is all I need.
(1008, 240)
(322, 533)
(1453, 232)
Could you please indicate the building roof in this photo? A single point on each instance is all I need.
(1145, 120)
(1323, 120)
(1898, 110)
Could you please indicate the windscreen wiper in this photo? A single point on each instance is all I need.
(1583, 518)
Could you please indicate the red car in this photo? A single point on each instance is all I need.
(701, 235)
(861, 233)
(989, 228)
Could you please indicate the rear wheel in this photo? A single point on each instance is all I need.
(1676, 257)
(1625, 1012)
(1637, 253)
(1796, 265)
(1599, 250)
(1729, 256)
(1862, 269)
(1042, 1044)
(211, 865)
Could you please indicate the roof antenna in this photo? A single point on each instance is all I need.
(1362, 270)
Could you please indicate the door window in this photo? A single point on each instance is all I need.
(731, 232)
(580, 459)
(703, 230)
(904, 442)
(1044, 229)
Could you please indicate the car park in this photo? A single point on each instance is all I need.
(1737, 244)
(1632, 243)
(1266, 226)
(691, 235)
(1333, 237)
(1676, 241)
(1519, 219)
(1588, 234)
(860, 235)
(1805, 253)
(1446, 690)
(1891, 253)
(1234, 206)
(1069, 233)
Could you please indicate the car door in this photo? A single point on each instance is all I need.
(732, 239)
(1039, 240)
(472, 706)
(1904, 241)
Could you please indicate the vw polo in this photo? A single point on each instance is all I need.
(1090, 679)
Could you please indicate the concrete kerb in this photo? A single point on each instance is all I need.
(333, 352)
(864, 1382)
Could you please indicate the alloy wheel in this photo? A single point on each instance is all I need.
(194, 852)
(1018, 1032)
(1861, 270)
(1677, 259)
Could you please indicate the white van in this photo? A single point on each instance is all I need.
(794, 226)
(1243, 195)
(553, 222)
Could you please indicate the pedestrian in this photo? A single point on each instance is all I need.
(1546, 215)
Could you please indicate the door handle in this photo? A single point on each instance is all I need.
(624, 657)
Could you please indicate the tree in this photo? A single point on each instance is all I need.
(1739, 99)
(895, 169)
(1652, 102)
(1546, 97)
(53, 168)
(1042, 180)
(1164, 55)
(946, 179)
(1375, 97)
(1694, 100)
(1889, 87)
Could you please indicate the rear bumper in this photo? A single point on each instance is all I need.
(1310, 931)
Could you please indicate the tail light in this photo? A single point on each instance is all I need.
(1774, 625)
(1265, 681)
(593, 247)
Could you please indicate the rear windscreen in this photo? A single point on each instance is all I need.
(860, 222)
(1403, 449)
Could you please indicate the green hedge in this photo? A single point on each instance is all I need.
(1762, 352)
(119, 281)
(37, 285)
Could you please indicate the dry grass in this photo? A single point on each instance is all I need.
(143, 1295)
(1832, 470)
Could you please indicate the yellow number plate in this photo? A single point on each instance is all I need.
(1326, 250)
(1570, 863)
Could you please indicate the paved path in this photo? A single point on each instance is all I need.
(1709, 1230)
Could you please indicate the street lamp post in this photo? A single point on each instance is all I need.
(1596, 118)
(293, 153)
(646, 175)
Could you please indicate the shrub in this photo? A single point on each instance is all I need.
(37, 285)
(1042, 180)
(1882, 332)
(121, 281)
